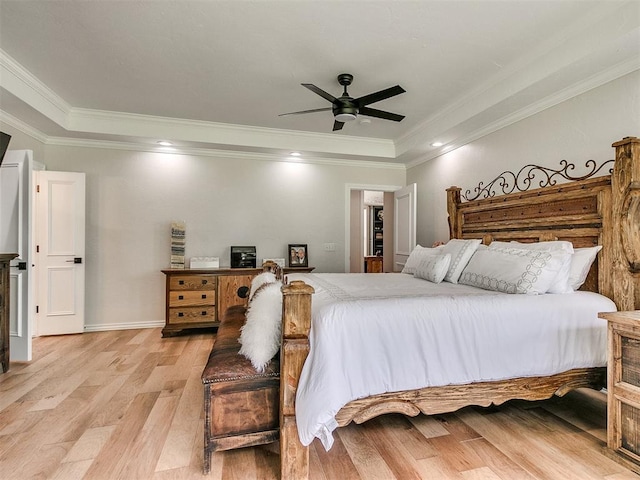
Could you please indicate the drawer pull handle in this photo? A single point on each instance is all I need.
(204, 296)
(204, 282)
(204, 312)
(180, 314)
(180, 297)
(180, 282)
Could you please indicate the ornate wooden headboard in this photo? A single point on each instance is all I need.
(586, 211)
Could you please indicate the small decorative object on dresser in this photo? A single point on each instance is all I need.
(204, 262)
(278, 261)
(623, 387)
(298, 255)
(177, 244)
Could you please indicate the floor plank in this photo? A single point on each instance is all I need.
(129, 405)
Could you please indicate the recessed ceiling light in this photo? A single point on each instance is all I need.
(295, 154)
(164, 143)
(437, 144)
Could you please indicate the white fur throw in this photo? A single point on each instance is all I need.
(260, 335)
(259, 280)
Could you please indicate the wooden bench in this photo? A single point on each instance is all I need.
(241, 406)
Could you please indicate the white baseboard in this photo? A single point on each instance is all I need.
(123, 326)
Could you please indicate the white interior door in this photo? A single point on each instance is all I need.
(404, 224)
(61, 250)
(15, 237)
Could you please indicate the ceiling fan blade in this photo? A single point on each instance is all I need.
(306, 111)
(381, 95)
(319, 91)
(337, 125)
(372, 112)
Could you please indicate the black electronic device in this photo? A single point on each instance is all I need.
(243, 257)
(4, 144)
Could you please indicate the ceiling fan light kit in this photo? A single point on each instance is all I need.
(345, 116)
(347, 108)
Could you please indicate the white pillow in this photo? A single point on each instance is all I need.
(260, 335)
(581, 264)
(259, 280)
(461, 252)
(414, 257)
(433, 267)
(563, 245)
(561, 282)
(513, 270)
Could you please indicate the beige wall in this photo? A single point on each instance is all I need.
(577, 130)
(132, 197)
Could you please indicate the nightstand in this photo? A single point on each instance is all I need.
(623, 387)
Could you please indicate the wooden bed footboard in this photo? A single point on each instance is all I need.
(296, 318)
(590, 211)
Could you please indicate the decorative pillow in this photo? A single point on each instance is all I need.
(581, 264)
(433, 267)
(412, 261)
(461, 252)
(259, 280)
(550, 245)
(513, 270)
(561, 282)
(260, 335)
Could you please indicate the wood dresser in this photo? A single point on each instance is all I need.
(5, 258)
(623, 387)
(197, 298)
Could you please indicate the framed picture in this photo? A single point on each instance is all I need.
(298, 255)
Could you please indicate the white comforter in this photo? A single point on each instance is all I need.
(376, 333)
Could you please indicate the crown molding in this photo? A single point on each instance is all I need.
(600, 35)
(19, 125)
(595, 81)
(20, 82)
(176, 129)
(214, 153)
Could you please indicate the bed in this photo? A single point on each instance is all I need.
(588, 211)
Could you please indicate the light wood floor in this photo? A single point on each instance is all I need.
(128, 405)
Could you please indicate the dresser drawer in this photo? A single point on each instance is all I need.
(630, 360)
(192, 282)
(189, 298)
(192, 314)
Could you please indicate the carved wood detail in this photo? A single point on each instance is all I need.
(434, 400)
(625, 248)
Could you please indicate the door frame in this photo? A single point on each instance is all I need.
(23, 281)
(347, 216)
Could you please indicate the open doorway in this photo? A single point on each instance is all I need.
(369, 209)
(398, 226)
(374, 232)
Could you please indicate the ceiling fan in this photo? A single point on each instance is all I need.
(347, 108)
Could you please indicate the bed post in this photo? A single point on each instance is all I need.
(625, 253)
(296, 323)
(453, 199)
